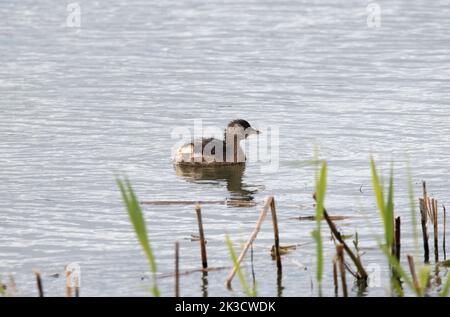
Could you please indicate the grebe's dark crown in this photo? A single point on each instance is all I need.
(241, 122)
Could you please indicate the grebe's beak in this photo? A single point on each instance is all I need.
(252, 131)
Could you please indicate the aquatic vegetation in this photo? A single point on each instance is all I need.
(361, 273)
(386, 208)
(269, 205)
(202, 240)
(445, 290)
(321, 185)
(137, 219)
(237, 266)
(445, 263)
(284, 249)
(403, 278)
(2, 289)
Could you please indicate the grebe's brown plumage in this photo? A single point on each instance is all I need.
(215, 152)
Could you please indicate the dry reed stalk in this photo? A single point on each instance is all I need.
(177, 269)
(76, 282)
(68, 284)
(435, 231)
(396, 246)
(444, 232)
(424, 220)
(341, 262)
(397, 238)
(429, 212)
(39, 283)
(335, 277)
(187, 272)
(362, 274)
(202, 236)
(429, 205)
(268, 205)
(72, 281)
(412, 269)
(313, 218)
(276, 235)
(425, 193)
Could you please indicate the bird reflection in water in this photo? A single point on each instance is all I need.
(231, 175)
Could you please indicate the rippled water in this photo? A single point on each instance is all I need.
(81, 105)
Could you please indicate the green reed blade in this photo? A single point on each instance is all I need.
(137, 220)
(321, 187)
(239, 272)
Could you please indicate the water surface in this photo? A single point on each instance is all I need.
(81, 105)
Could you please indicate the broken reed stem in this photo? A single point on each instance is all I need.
(72, 280)
(397, 238)
(68, 283)
(177, 269)
(340, 257)
(424, 190)
(313, 218)
(424, 220)
(202, 236)
(412, 269)
(362, 274)
(429, 212)
(435, 230)
(276, 235)
(39, 283)
(335, 277)
(188, 272)
(443, 232)
(253, 236)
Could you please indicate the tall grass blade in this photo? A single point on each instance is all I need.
(378, 188)
(321, 186)
(389, 211)
(387, 214)
(424, 277)
(386, 210)
(394, 263)
(239, 272)
(2, 289)
(138, 222)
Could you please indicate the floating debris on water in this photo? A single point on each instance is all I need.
(284, 249)
(313, 218)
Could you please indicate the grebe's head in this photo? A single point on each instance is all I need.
(241, 128)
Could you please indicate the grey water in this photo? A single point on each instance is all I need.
(82, 105)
